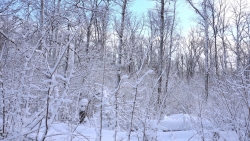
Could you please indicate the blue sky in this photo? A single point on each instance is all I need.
(185, 13)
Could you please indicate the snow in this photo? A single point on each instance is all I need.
(177, 127)
(178, 122)
(142, 77)
(83, 104)
(183, 122)
(81, 132)
(124, 77)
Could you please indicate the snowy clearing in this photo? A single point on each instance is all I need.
(179, 127)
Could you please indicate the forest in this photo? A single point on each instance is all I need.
(93, 70)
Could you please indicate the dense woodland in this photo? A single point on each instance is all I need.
(132, 68)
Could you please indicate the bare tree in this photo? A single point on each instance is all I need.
(161, 48)
(171, 45)
(41, 22)
(223, 26)
(214, 24)
(105, 19)
(239, 15)
(204, 16)
(123, 4)
(192, 55)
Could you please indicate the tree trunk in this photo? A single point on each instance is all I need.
(205, 18)
(120, 34)
(160, 61)
(215, 32)
(41, 21)
(206, 49)
(170, 48)
(3, 97)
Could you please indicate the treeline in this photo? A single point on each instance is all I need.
(133, 69)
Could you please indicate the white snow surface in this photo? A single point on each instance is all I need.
(83, 104)
(63, 132)
(172, 128)
(182, 122)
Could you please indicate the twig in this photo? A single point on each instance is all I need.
(192, 137)
(82, 135)
(6, 36)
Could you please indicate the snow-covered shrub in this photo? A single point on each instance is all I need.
(83, 104)
(228, 106)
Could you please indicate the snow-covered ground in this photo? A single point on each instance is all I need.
(179, 127)
(89, 134)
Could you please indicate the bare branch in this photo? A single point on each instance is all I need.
(196, 9)
(6, 36)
